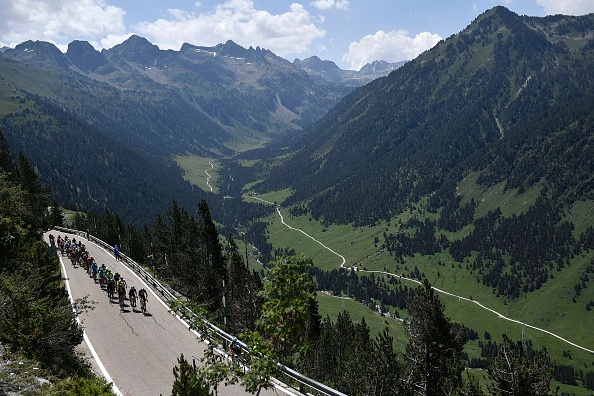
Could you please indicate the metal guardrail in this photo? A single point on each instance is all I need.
(300, 378)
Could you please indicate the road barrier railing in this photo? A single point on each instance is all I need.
(168, 296)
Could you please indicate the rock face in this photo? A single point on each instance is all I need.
(85, 57)
(39, 54)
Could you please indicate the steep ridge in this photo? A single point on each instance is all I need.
(463, 106)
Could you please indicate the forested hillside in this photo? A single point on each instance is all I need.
(38, 330)
(508, 103)
(470, 166)
(509, 97)
(103, 127)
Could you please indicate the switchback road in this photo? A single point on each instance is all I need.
(343, 262)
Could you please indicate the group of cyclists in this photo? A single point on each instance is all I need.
(114, 282)
(109, 281)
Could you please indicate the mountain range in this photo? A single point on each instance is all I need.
(482, 101)
(330, 71)
(137, 101)
(474, 160)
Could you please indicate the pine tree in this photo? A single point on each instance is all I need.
(57, 217)
(242, 292)
(210, 254)
(514, 374)
(188, 382)
(36, 193)
(6, 160)
(433, 350)
(386, 367)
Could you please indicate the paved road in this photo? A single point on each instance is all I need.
(137, 351)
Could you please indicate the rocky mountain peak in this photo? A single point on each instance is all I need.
(38, 53)
(84, 56)
(135, 49)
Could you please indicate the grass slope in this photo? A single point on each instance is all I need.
(195, 169)
(551, 308)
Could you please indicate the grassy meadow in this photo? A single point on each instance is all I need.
(194, 171)
(550, 308)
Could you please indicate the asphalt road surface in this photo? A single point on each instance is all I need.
(134, 350)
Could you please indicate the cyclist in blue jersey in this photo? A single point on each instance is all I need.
(94, 269)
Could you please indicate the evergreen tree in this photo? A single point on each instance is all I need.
(242, 292)
(433, 349)
(357, 367)
(12, 221)
(513, 374)
(36, 195)
(56, 215)
(159, 238)
(6, 160)
(210, 256)
(36, 317)
(386, 366)
(188, 381)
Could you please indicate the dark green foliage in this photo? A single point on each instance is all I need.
(36, 317)
(188, 381)
(81, 387)
(242, 293)
(388, 369)
(187, 252)
(566, 374)
(470, 386)
(422, 241)
(210, 256)
(533, 241)
(6, 160)
(348, 359)
(589, 380)
(287, 308)
(433, 349)
(90, 170)
(503, 98)
(56, 217)
(513, 373)
(285, 329)
(390, 291)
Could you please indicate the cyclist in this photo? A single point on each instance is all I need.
(235, 348)
(94, 269)
(142, 295)
(132, 296)
(101, 273)
(111, 285)
(121, 294)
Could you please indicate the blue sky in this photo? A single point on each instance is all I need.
(349, 32)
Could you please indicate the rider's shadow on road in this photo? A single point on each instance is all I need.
(136, 310)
